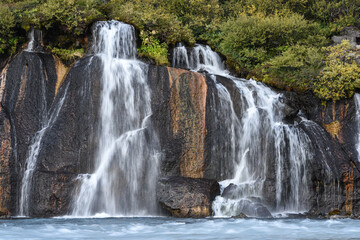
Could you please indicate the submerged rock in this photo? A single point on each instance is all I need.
(187, 197)
(241, 215)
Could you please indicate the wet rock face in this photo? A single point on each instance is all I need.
(69, 144)
(32, 86)
(179, 110)
(187, 197)
(334, 171)
(27, 88)
(192, 140)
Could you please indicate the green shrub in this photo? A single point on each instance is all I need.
(295, 68)
(152, 48)
(337, 80)
(151, 19)
(252, 40)
(8, 41)
(75, 16)
(68, 55)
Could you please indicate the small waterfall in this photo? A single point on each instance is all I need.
(357, 104)
(47, 121)
(256, 135)
(35, 40)
(200, 58)
(123, 181)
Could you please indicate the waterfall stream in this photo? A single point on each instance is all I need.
(357, 104)
(254, 133)
(48, 119)
(126, 160)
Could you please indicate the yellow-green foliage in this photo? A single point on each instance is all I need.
(75, 15)
(151, 19)
(68, 55)
(276, 41)
(196, 14)
(337, 79)
(7, 22)
(252, 40)
(296, 67)
(152, 48)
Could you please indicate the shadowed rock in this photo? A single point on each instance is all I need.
(187, 197)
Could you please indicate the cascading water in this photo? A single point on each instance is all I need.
(123, 181)
(256, 135)
(357, 104)
(35, 40)
(200, 58)
(30, 164)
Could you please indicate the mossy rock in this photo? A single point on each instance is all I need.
(334, 212)
(241, 215)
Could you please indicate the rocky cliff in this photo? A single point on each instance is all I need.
(34, 84)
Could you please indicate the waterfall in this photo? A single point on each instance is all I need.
(357, 104)
(200, 58)
(30, 164)
(126, 160)
(35, 39)
(256, 135)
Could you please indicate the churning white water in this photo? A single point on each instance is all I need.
(256, 135)
(174, 229)
(124, 177)
(33, 152)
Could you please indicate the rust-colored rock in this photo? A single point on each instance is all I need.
(61, 72)
(188, 109)
(348, 179)
(5, 174)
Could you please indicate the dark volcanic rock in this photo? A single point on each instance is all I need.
(187, 197)
(27, 90)
(69, 144)
(252, 209)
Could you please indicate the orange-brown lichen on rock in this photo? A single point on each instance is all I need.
(61, 72)
(188, 107)
(194, 212)
(334, 128)
(5, 154)
(339, 112)
(348, 179)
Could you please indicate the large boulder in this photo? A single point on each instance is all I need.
(187, 197)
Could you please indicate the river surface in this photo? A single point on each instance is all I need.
(172, 228)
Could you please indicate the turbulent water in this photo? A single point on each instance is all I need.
(254, 132)
(170, 228)
(126, 160)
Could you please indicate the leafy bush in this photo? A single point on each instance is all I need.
(252, 40)
(337, 80)
(295, 68)
(152, 48)
(75, 16)
(151, 20)
(7, 40)
(68, 55)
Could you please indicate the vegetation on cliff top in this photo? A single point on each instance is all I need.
(278, 42)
